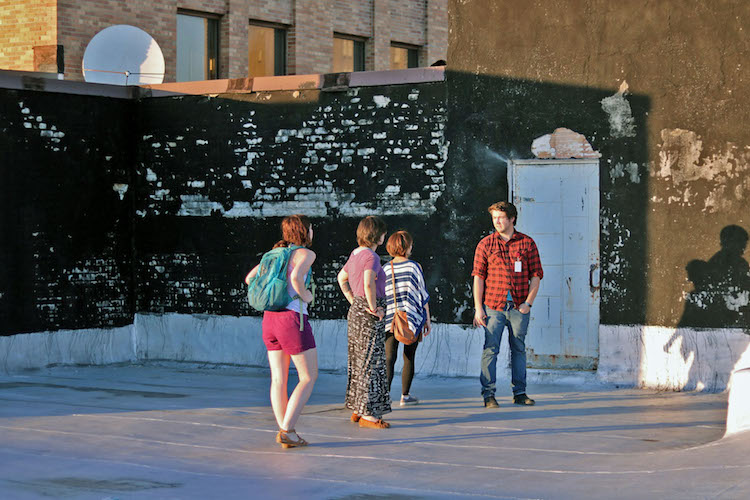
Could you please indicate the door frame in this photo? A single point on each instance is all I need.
(563, 361)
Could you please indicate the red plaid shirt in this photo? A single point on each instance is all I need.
(494, 261)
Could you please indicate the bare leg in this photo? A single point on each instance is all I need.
(307, 370)
(279, 363)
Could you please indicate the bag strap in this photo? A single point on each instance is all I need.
(312, 290)
(312, 302)
(393, 278)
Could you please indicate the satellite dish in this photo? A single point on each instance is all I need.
(123, 55)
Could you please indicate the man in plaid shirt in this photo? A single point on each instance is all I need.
(507, 273)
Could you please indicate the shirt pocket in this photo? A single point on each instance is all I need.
(495, 259)
(519, 254)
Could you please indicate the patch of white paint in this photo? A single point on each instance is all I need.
(542, 147)
(201, 142)
(381, 101)
(618, 170)
(619, 113)
(120, 189)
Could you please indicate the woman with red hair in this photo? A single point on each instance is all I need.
(287, 337)
(409, 295)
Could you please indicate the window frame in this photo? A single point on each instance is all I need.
(412, 51)
(280, 45)
(212, 40)
(358, 50)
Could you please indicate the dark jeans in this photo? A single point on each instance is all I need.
(391, 353)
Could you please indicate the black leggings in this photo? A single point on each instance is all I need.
(391, 353)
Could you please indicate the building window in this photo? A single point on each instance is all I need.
(348, 54)
(404, 56)
(266, 50)
(197, 47)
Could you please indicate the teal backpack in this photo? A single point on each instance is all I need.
(267, 290)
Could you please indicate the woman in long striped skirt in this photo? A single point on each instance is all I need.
(362, 280)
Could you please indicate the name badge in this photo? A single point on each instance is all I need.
(517, 266)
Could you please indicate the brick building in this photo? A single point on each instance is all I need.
(205, 39)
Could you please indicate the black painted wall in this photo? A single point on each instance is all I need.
(65, 229)
(215, 176)
(114, 207)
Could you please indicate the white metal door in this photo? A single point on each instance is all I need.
(558, 206)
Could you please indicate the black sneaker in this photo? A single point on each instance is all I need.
(491, 402)
(523, 399)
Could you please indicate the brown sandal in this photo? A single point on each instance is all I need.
(355, 418)
(378, 424)
(287, 442)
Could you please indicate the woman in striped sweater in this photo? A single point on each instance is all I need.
(412, 297)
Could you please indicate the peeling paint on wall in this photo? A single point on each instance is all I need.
(628, 170)
(617, 108)
(563, 143)
(714, 181)
(120, 189)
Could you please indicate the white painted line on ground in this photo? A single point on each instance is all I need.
(413, 440)
(308, 453)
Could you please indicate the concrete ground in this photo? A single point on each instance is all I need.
(185, 431)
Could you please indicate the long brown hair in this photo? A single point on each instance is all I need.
(295, 230)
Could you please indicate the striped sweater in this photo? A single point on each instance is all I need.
(411, 293)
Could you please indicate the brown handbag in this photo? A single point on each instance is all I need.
(400, 325)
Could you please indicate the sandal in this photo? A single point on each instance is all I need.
(355, 418)
(378, 424)
(286, 442)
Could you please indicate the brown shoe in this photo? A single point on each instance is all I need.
(287, 442)
(378, 424)
(355, 418)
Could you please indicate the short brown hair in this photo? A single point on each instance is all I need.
(399, 243)
(369, 231)
(295, 230)
(507, 207)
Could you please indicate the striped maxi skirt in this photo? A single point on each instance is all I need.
(367, 386)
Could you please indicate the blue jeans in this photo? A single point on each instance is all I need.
(517, 324)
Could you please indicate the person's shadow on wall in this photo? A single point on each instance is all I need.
(721, 286)
(720, 298)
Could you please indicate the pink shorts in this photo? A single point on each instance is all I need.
(281, 332)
